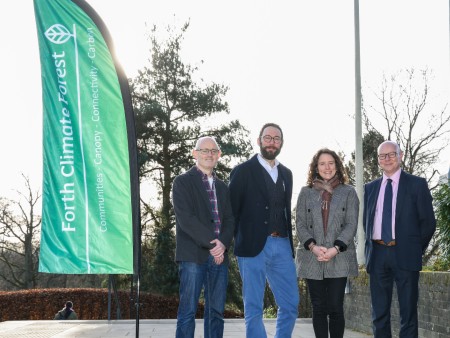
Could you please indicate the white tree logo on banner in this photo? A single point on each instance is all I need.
(58, 34)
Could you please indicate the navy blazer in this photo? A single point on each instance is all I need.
(250, 204)
(415, 222)
(194, 219)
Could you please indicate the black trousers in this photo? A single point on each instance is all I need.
(327, 298)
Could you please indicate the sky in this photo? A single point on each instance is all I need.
(290, 62)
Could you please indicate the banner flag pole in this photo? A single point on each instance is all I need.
(90, 200)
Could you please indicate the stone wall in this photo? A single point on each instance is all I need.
(434, 305)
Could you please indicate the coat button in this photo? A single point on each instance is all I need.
(267, 208)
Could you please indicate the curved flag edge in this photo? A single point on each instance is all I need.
(131, 132)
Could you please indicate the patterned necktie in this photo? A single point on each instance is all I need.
(386, 223)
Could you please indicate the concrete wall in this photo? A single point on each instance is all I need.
(434, 305)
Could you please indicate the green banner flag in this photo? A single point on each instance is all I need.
(87, 212)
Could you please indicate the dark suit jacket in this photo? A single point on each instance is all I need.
(250, 203)
(414, 220)
(194, 220)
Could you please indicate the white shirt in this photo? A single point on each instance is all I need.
(273, 171)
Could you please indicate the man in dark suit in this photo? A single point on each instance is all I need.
(261, 192)
(204, 231)
(399, 222)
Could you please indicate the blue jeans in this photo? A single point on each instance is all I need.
(193, 277)
(274, 263)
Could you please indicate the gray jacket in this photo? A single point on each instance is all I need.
(342, 226)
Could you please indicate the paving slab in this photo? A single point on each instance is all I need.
(148, 328)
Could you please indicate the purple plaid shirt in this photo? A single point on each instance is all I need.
(211, 190)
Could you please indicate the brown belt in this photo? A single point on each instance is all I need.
(275, 234)
(381, 242)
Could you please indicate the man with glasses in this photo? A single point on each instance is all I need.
(204, 231)
(399, 222)
(261, 192)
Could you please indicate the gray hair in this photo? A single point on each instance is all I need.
(397, 147)
(201, 139)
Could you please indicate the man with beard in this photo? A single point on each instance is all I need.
(261, 192)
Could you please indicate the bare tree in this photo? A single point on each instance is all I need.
(19, 245)
(410, 117)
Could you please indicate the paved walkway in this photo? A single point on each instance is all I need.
(154, 328)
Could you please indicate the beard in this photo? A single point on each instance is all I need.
(269, 154)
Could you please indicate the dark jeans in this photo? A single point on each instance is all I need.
(327, 298)
(193, 277)
(384, 272)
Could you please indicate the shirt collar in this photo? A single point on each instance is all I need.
(265, 164)
(203, 175)
(395, 177)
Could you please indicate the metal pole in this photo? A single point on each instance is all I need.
(358, 140)
(109, 297)
(137, 304)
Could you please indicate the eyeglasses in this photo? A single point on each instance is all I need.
(269, 139)
(385, 156)
(208, 151)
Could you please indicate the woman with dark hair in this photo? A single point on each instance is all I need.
(326, 222)
(67, 312)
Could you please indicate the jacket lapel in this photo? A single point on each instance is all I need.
(317, 212)
(372, 203)
(335, 198)
(286, 184)
(198, 183)
(259, 176)
(401, 192)
(220, 201)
